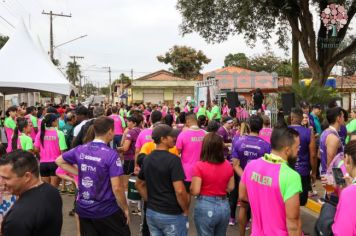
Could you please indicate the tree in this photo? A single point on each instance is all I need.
(73, 72)
(348, 63)
(215, 20)
(238, 59)
(3, 40)
(185, 61)
(89, 89)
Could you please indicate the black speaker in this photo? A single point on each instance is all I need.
(232, 99)
(288, 102)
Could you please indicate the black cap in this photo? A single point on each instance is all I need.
(163, 130)
(316, 106)
(227, 119)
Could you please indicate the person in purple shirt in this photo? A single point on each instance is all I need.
(330, 142)
(306, 110)
(101, 203)
(247, 148)
(225, 132)
(306, 161)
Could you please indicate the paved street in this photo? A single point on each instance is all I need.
(69, 228)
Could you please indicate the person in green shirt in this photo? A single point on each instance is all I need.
(21, 138)
(201, 110)
(215, 113)
(68, 128)
(351, 126)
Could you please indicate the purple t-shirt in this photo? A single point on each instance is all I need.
(97, 163)
(303, 162)
(132, 135)
(323, 148)
(248, 148)
(342, 134)
(227, 137)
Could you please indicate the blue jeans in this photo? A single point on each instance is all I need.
(117, 141)
(166, 225)
(211, 215)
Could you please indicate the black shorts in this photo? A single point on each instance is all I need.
(306, 187)
(48, 169)
(112, 225)
(187, 186)
(129, 167)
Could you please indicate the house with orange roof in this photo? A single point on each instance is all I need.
(162, 87)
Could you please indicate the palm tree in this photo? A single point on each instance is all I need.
(73, 72)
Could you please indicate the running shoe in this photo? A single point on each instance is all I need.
(232, 222)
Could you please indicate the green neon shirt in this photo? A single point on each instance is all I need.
(26, 142)
(10, 123)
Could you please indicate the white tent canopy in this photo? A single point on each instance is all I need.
(25, 68)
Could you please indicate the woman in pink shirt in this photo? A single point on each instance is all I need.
(10, 125)
(49, 143)
(212, 209)
(345, 217)
(266, 131)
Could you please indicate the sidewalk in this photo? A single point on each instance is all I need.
(313, 203)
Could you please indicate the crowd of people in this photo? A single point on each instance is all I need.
(212, 160)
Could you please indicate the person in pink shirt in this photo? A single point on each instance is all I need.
(271, 188)
(49, 143)
(145, 135)
(345, 217)
(10, 125)
(266, 131)
(241, 113)
(189, 144)
(119, 126)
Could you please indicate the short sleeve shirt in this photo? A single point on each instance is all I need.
(53, 143)
(25, 143)
(132, 136)
(97, 164)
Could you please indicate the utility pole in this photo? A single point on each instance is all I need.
(51, 14)
(110, 94)
(76, 71)
(131, 74)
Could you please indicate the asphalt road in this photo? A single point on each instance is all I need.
(69, 225)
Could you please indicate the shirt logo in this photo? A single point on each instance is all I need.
(83, 156)
(85, 167)
(248, 154)
(148, 137)
(197, 139)
(87, 182)
(263, 180)
(86, 195)
(118, 162)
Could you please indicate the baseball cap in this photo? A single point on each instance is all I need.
(227, 119)
(163, 130)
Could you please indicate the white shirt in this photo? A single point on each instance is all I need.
(78, 128)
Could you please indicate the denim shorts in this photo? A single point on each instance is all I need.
(166, 225)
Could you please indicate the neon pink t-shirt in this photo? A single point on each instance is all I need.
(144, 137)
(265, 134)
(190, 142)
(212, 186)
(53, 143)
(119, 124)
(60, 171)
(345, 217)
(269, 185)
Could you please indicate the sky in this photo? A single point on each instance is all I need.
(122, 34)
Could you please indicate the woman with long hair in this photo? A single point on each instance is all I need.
(21, 138)
(10, 125)
(49, 143)
(212, 209)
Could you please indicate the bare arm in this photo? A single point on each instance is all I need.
(142, 188)
(332, 142)
(313, 158)
(294, 225)
(243, 197)
(182, 196)
(195, 187)
(66, 166)
(125, 146)
(230, 184)
(237, 168)
(118, 189)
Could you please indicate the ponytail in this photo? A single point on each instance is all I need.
(46, 122)
(12, 108)
(21, 123)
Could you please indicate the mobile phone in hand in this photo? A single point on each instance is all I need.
(339, 177)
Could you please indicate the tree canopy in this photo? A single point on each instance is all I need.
(73, 72)
(215, 20)
(267, 62)
(3, 40)
(185, 61)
